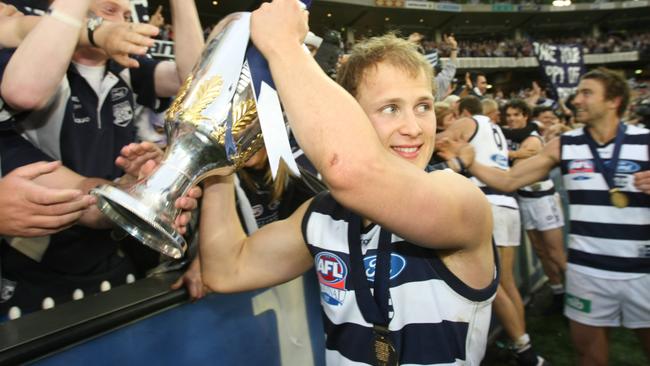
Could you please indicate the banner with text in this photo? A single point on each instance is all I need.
(562, 64)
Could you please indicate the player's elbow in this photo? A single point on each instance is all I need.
(21, 97)
(346, 177)
(216, 283)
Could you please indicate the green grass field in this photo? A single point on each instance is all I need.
(550, 335)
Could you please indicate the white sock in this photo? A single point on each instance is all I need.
(522, 343)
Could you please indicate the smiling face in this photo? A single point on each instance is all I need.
(548, 118)
(591, 104)
(515, 118)
(400, 108)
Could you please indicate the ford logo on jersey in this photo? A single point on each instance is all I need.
(500, 160)
(330, 268)
(626, 166)
(397, 265)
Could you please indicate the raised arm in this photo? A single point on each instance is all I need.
(188, 44)
(528, 171)
(446, 75)
(14, 26)
(339, 139)
(233, 262)
(29, 82)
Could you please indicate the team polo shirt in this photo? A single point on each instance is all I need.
(86, 131)
(436, 319)
(606, 241)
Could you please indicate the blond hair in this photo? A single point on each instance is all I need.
(388, 48)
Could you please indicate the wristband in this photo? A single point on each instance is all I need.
(64, 18)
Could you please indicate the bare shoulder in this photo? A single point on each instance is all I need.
(461, 187)
(465, 210)
(473, 260)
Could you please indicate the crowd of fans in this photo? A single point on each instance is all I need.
(609, 43)
(506, 47)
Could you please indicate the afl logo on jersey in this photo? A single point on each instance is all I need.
(332, 272)
(581, 166)
(331, 269)
(397, 265)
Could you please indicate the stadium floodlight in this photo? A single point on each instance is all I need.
(560, 3)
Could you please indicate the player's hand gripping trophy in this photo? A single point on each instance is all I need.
(213, 128)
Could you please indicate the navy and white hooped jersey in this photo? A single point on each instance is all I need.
(544, 187)
(491, 150)
(606, 241)
(435, 318)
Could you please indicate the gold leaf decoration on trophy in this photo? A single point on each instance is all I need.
(205, 95)
(219, 135)
(242, 156)
(243, 114)
(178, 101)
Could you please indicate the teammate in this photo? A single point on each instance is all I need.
(608, 271)
(491, 149)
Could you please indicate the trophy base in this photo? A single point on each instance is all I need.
(139, 221)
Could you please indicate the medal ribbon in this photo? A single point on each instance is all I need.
(374, 309)
(608, 173)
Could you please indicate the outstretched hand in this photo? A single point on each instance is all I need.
(29, 209)
(451, 41)
(134, 155)
(121, 40)
(449, 149)
(139, 161)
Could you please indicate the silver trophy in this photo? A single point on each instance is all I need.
(213, 128)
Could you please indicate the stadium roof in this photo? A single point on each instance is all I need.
(378, 16)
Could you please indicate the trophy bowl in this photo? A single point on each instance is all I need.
(213, 128)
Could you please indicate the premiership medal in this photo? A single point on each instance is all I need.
(618, 198)
(374, 306)
(384, 350)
